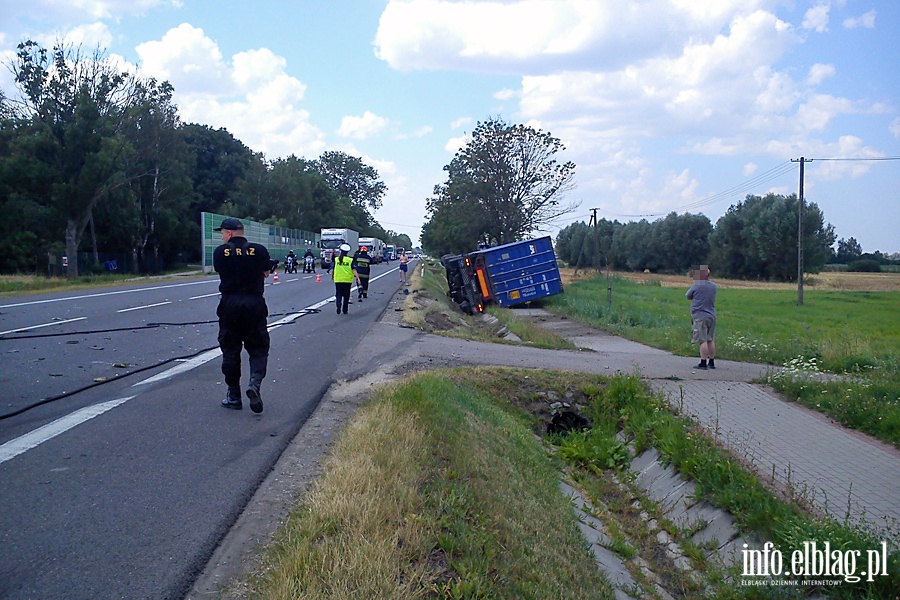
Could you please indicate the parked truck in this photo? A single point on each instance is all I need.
(331, 240)
(504, 275)
(390, 252)
(375, 247)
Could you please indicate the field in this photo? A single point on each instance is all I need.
(826, 281)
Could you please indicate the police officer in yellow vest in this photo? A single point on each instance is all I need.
(342, 274)
(242, 267)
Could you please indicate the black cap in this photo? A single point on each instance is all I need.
(230, 224)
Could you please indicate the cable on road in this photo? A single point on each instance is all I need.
(300, 313)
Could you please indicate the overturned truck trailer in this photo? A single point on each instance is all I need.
(505, 275)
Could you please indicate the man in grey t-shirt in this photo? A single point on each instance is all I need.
(702, 295)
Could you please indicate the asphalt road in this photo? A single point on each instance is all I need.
(124, 489)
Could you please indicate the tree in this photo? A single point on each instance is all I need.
(71, 113)
(353, 179)
(848, 250)
(220, 161)
(505, 182)
(758, 239)
(158, 174)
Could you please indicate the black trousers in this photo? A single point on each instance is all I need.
(363, 287)
(342, 296)
(242, 325)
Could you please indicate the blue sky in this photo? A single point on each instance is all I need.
(664, 105)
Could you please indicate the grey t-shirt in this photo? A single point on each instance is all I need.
(702, 295)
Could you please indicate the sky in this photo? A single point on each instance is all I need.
(663, 105)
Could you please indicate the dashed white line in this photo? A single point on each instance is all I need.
(145, 306)
(42, 325)
(21, 444)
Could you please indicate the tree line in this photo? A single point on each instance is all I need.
(754, 239)
(94, 158)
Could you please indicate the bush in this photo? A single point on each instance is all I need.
(865, 265)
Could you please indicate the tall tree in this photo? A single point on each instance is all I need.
(757, 238)
(848, 250)
(508, 179)
(73, 108)
(353, 179)
(159, 174)
(220, 161)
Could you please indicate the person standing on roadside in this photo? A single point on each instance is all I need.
(243, 267)
(361, 270)
(404, 266)
(342, 274)
(702, 295)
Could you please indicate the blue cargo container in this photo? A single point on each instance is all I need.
(518, 272)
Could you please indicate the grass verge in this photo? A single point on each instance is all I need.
(856, 334)
(13, 285)
(433, 491)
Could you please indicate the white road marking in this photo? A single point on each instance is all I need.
(204, 296)
(26, 442)
(145, 306)
(42, 325)
(33, 439)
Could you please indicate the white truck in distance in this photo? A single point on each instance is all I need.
(374, 246)
(331, 240)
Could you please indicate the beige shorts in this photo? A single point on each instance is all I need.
(703, 330)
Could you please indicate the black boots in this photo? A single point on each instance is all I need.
(233, 399)
(256, 404)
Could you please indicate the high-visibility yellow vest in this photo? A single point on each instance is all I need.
(343, 271)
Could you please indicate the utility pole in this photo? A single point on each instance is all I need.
(802, 161)
(593, 225)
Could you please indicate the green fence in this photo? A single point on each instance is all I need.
(279, 240)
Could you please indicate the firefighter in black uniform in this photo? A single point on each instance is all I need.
(362, 269)
(242, 267)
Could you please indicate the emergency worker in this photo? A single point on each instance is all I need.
(342, 274)
(362, 268)
(242, 267)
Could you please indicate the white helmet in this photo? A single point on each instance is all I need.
(345, 247)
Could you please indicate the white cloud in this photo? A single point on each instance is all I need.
(894, 127)
(540, 35)
(189, 60)
(362, 127)
(505, 94)
(93, 35)
(455, 144)
(866, 20)
(251, 96)
(816, 18)
(749, 169)
(818, 73)
(461, 122)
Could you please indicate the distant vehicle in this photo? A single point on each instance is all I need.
(331, 240)
(375, 248)
(505, 275)
(390, 252)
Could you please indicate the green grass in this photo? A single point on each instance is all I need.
(14, 285)
(433, 491)
(842, 332)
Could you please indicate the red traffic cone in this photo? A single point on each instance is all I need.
(318, 278)
(276, 277)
